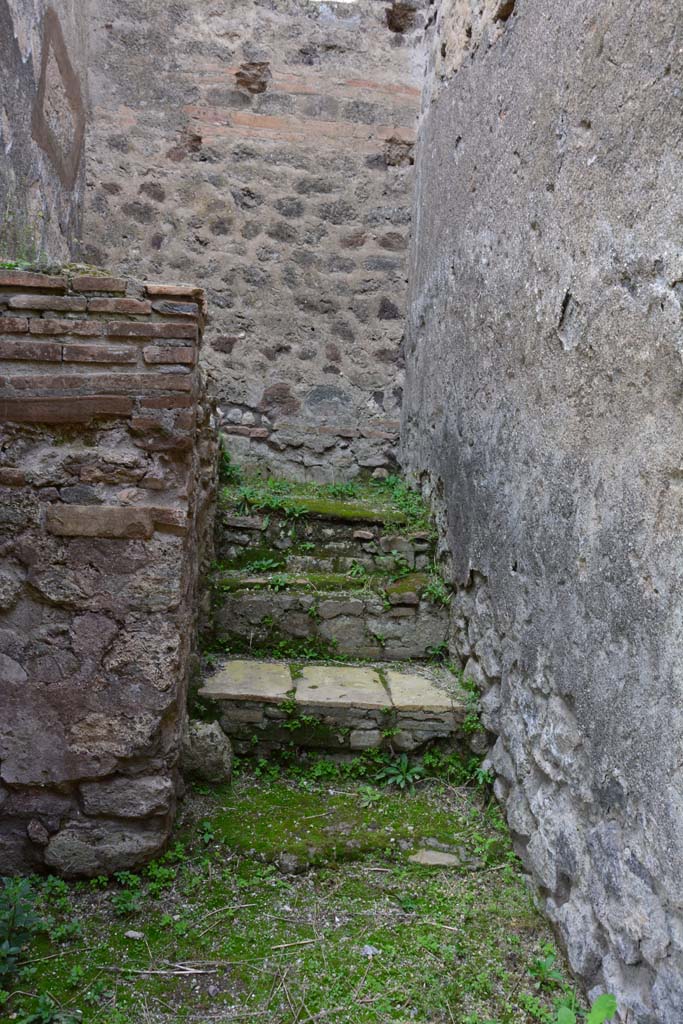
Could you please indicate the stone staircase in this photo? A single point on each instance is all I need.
(308, 580)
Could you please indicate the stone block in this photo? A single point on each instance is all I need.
(123, 797)
(85, 850)
(365, 739)
(99, 521)
(206, 752)
(331, 608)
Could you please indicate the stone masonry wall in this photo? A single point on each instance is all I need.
(267, 147)
(106, 477)
(43, 110)
(543, 414)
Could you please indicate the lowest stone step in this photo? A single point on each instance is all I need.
(265, 705)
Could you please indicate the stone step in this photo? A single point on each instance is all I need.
(313, 537)
(374, 617)
(342, 708)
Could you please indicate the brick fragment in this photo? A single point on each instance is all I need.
(11, 477)
(111, 383)
(144, 329)
(27, 279)
(13, 325)
(99, 521)
(168, 308)
(228, 429)
(131, 306)
(166, 402)
(259, 433)
(74, 409)
(82, 328)
(63, 303)
(41, 351)
(156, 354)
(98, 354)
(186, 292)
(92, 283)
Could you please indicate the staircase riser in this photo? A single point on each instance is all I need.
(257, 728)
(240, 538)
(355, 621)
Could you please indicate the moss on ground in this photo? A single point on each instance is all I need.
(357, 934)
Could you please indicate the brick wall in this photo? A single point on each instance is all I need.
(106, 476)
(268, 149)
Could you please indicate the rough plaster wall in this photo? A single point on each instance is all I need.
(43, 77)
(266, 146)
(543, 412)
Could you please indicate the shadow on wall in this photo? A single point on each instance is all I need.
(42, 131)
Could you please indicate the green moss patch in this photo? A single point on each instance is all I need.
(292, 900)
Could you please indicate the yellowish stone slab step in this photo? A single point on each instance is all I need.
(413, 692)
(341, 686)
(265, 681)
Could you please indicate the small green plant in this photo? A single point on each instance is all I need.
(278, 581)
(369, 795)
(545, 972)
(438, 652)
(306, 546)
(207, 832)
(228, 471)
(262, 565)
(471, 723)
(436, 591)
(19, 923)
(358, 571)
(125, 903)
(47, 1011)
(348, 490)
(400, 773)
(402, 567)
(602, 1010)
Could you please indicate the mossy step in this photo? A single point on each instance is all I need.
(390, 503)
(234, 582)
(335, 707)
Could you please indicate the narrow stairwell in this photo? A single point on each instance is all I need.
(328, 623)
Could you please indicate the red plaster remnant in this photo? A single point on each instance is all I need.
(99, 521)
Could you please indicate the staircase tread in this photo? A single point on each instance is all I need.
(333, 685)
